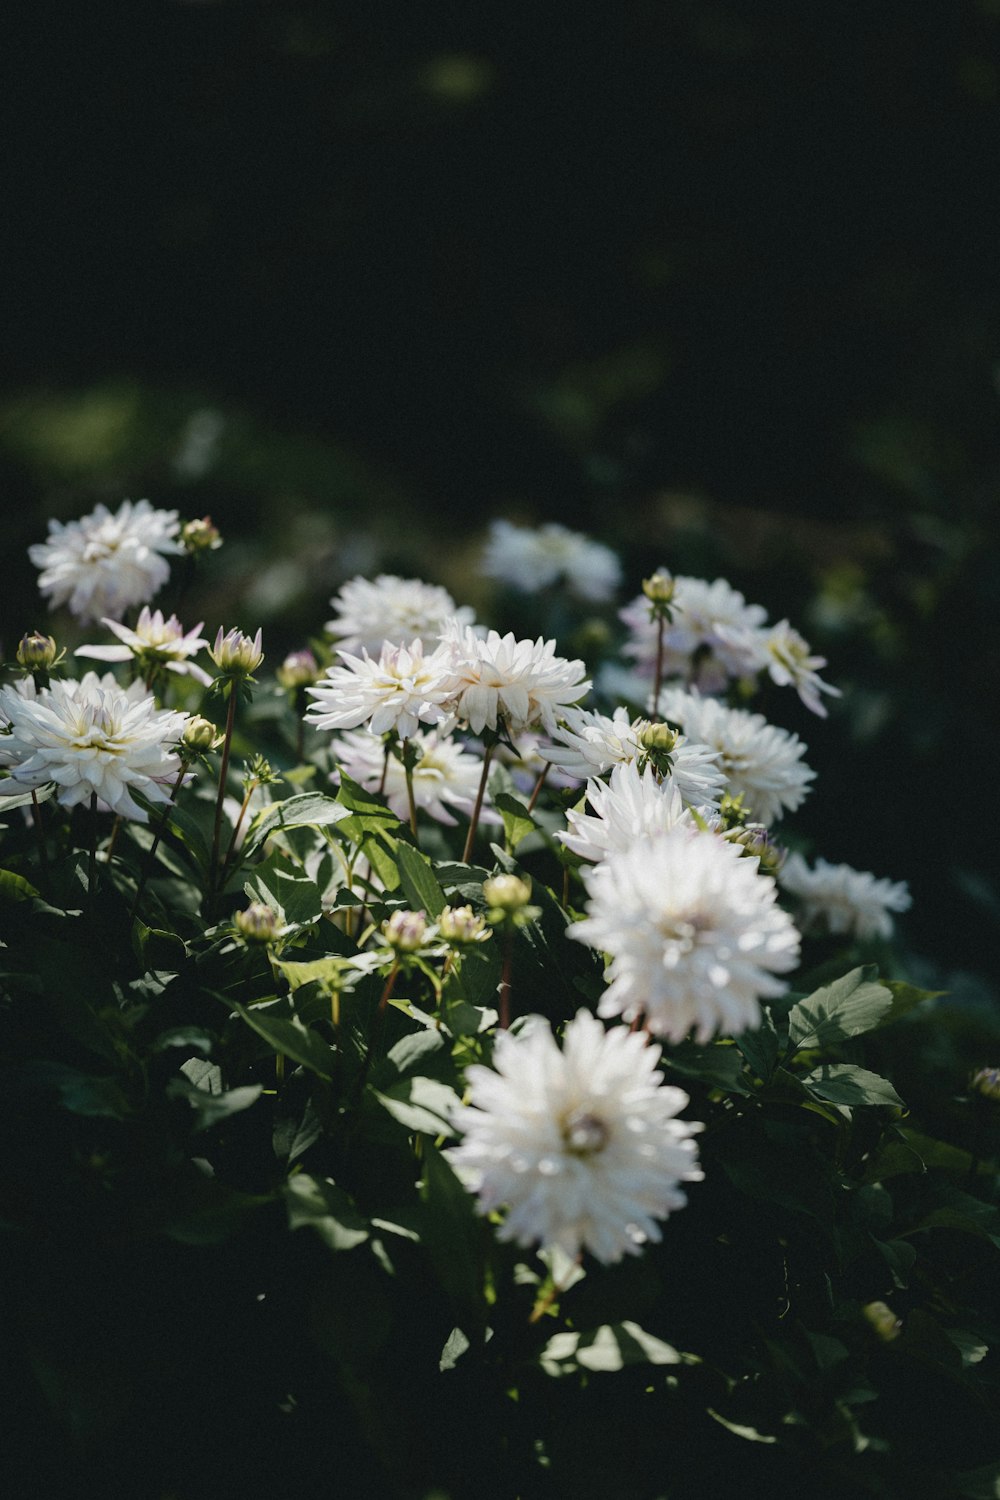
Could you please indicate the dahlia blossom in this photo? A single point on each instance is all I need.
(846, 900)
(786, 656)
(709, 641)
(694, 931)
(399, 691)
(390, 609)
(630, 807)
(103, 564)
(581, 1146)
(588, 744)
(90, 738)
(504, 683)
(154, 642)
(761, 763)
(527, 559)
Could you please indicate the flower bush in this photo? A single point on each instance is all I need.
(376, 1106)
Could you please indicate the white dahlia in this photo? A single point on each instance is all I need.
(627, 809)
(531, 558)
(445, 776)
(370, 612)
(154, 642)
(399, 691)
(588, 744)
(90, 738)
(710, 640)
(694, 932)
(786, 656)
(501, 682)
(845, 900)
(581, 1146)
(104, 563)
(760, 762)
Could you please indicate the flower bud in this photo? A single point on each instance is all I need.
(405, 931)
(755, 840)
(236, 655)
(883, 1321)
(258, 924)
(986, 1081)
(659, 589)
(460, 927)
(659, 738)
(200, 536)
(200, 735)
(507, 893)
(36, 652)
(299, 669)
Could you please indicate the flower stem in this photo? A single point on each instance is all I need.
(236, 829)
(508, 958)
(43, 858)
(474, 820)
(538, 787)
(223, 771)
(92, 863)
(658, 680)
(408, 773)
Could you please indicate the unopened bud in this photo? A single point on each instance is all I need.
(200, 735)
(236, 655)
(883, 1321)
(461, 927)
(405, 931)
(659, 738)
(257, 924)
(659, 589)
(299, 669)
(36, 652)
(986, 1081)
(755, 840)
(200, 536)
(506, 893)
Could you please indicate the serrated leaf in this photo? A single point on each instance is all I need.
(844, 1083)
(291, 1038)
(307, 809)
(419, 882)
(848, 1007)
(318, 1204)
(281, 885)
(608, 1348)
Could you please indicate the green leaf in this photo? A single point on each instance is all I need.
(420, 1104)
(282, 885)
(15, 887)
(290, 1037)
(608, 1348)
(381, 861)
(419, 883)
(451, 1236)
(848, 1007)
(80, 1093)
(308, 809)
(517, 821)
(843, 1083)
(156, 949)
(740, 1429)
(25, 799)
(317, 1203)
(906, 997)
(415, 1049)
(186, 830)
(760, 1048)
(210, 1107)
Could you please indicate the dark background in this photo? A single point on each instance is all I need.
(714, 281)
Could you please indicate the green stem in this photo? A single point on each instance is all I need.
(92, 864)
(508, 957)
(223, 772)
(474, 820)
(658, 680)
(43, 858)
(408, 773)
(538, 787)
(236, 829)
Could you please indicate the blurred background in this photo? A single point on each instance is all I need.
(712, 280)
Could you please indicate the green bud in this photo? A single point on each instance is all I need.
(37, 652)
(986, 1081)
(236, 655)
(882, 1320)
(405, 931)
(200, 735)
(507, 893)
(755, 840)
(659, 589)
(258, 924)
(299, 669)
(659, 739)
(200, 536)
(460, 927)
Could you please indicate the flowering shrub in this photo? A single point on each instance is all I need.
(418, 1098)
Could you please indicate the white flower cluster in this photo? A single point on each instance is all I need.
(104, 564)
(528, 559)
(713, 637)
(370, 613)
(845, 900)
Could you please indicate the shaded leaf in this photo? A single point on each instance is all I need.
(419, 882)
(843, 1083)
(608, 1348)
(291, 1038)
(318, 1204)
(848, 1007)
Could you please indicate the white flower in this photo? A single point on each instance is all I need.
(581, 1146)
(760, 762)
(710, 640)
(397, 610)
(444, 776)
(154, 640)
(90, 738)
(588, 744)
(529, 559)
(847, 900)
(695, 935)
(103, 564)
(399, 691)
(628, 808)
(501, 682)
(785, 654)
